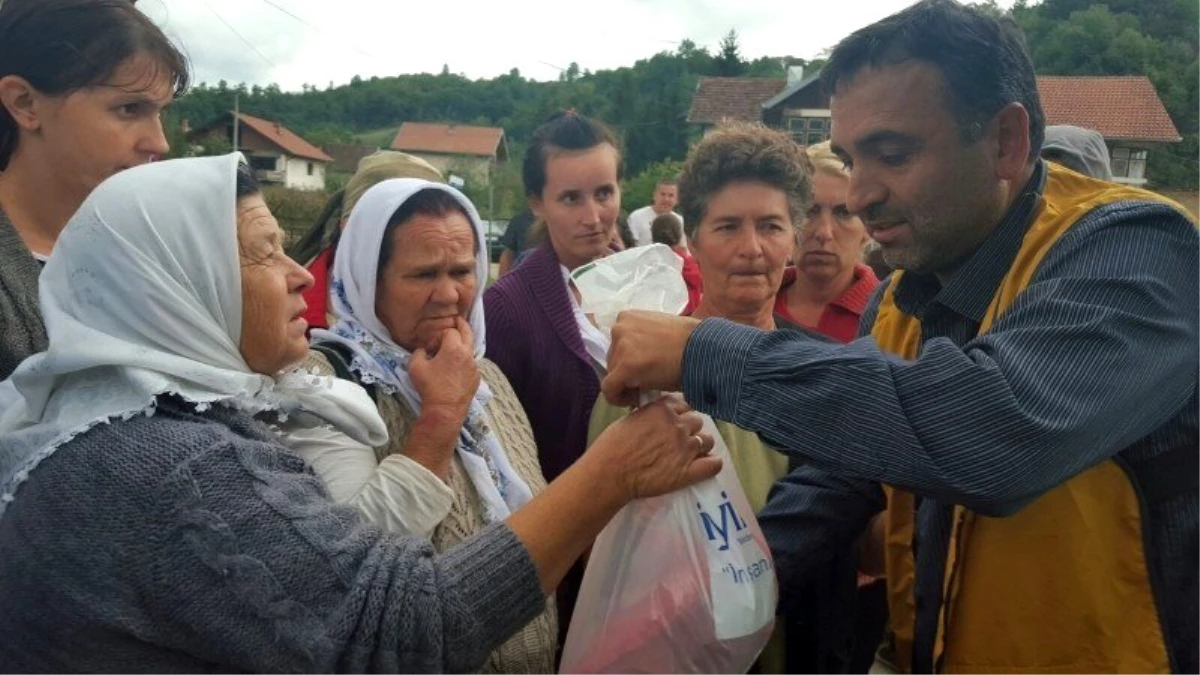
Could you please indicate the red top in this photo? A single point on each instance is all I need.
(840, 318)
(691, 277)
(317, 296)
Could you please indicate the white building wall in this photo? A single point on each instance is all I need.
(297, 175)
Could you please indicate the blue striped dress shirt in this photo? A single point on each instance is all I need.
(1098, 356)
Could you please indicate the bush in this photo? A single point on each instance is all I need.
(296, 210)
(1174, 165)
(336, 180)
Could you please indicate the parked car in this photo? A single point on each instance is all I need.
(495, 231)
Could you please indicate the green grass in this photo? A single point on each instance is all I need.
(378, 137)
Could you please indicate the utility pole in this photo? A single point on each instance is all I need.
(491, 210)
(491, 192)
(236, 118)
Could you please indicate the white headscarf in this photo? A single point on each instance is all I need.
(379, 360)
(142, 297)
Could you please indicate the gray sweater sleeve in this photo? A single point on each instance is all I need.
(253, 567)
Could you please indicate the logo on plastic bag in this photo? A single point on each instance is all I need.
(728, 524)
(728, 516)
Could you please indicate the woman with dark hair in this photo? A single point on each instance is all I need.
(151, 517)
(537, 334)
(82, 83)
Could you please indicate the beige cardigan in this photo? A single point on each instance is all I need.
(532, 649)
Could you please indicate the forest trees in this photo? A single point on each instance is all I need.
(1156, 38)
(647, 103)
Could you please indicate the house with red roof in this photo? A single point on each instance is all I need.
(469, 152)
(1126, 110)
(277, 154)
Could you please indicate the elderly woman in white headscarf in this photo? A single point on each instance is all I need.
(407, 286)
(151, 515)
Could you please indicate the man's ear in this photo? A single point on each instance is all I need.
(20, 100)
(1012, 141)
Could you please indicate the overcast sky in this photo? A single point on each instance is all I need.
(296, 42)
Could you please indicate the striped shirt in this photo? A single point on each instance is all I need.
(1098, 356)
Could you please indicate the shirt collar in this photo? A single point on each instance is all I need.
(971, 288)
(855, 298)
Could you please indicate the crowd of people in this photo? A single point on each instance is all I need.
(955, 368)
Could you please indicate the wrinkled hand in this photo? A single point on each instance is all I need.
(646, 355)
(657, 449)
(448, 380)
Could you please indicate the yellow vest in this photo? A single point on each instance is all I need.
(1061, 586)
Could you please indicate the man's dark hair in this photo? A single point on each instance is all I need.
(982, 59)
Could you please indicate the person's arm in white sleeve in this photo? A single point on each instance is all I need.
(397, 494)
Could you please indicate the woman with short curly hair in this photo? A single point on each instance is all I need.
(744, 190)
(743, 194)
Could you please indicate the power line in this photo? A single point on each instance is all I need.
(348, 42)
(290, 14)
(235, 32)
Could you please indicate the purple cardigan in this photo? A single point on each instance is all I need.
(533, 337)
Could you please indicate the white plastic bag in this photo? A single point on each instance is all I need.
(646, 277)
(684, 582)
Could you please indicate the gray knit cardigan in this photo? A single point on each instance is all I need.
(21, 329)
(194, 542)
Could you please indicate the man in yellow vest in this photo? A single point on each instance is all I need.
(1022, 406)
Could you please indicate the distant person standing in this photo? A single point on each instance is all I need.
(666, 230)
(666, 194)
(516, 240)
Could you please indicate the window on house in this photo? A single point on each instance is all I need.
(260, 163)
(310, 168)
(1120, 162)
(1129, 163)
(809, 130)
(1137, 164)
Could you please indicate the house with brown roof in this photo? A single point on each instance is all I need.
(278, 155)
(796, 103)
(468, 152)
(346, 156)
(1125, 110)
